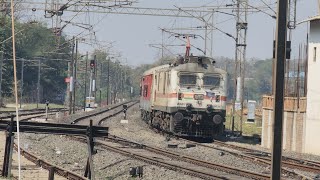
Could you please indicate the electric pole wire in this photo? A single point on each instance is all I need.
(15, 86)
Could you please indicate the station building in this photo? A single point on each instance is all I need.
(301, 123)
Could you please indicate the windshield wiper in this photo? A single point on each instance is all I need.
(212, 88)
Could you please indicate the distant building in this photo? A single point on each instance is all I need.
(301, 122)
(312, 137)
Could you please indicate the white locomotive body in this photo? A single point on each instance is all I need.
(186, 99)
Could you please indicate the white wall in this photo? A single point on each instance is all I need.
(312, 138)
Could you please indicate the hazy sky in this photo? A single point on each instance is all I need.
(132, 34)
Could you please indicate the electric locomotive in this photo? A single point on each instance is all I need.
(186, 98)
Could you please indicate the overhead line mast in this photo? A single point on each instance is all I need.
(240, 58)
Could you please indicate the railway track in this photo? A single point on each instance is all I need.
(176, 166)
(180, 163)
(314, 165)
(31, 110)
(244, 155)
(173, 161)
(131, 149)
(301, 164)
(33, 114)
(85, 117)
(254, 158)
(154, 160)
(189, 159)
(46, 165)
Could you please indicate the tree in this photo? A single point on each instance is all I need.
(34, 43)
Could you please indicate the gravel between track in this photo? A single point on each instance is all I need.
(72, 155)
(287, 154)
(138, 131)
(112, 165)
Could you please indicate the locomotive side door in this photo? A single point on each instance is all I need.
(154, 89)
(166, 89)
(146, 88)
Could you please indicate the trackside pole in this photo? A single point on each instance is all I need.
(47, 107)
(6, 167)
(89, 172)
(51, 173)
(281, 38)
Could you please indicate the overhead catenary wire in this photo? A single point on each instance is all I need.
(272, 16)
(259, 10)
(79, 35)
(69, 22)
(268, 6)
(180, 11)
(15, 86)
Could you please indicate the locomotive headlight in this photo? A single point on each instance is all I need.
(217, 119)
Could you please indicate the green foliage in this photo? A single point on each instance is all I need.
(258, 75)
(260, 81)
(248, 129)
(120, 78)
(36, 43)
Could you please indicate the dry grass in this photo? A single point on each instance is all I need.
(248, 129)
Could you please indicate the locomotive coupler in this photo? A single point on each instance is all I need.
(196, 118)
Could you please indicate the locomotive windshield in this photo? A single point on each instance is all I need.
(188, 79)
(211, 81)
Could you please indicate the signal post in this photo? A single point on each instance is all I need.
(90, 99)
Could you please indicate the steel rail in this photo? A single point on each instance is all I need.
(187, 159)
(302, 164)
(213, 166)
(255, 159)
(294, 165)
(98, 113)
(32, 110)
(185, 170)
(262, 160)
(33, 113)
(295, 160)
(46, 165)
(224, 168)
(116, 113)
(146, 159)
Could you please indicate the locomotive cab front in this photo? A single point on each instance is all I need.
(187, 98)
(201, 101)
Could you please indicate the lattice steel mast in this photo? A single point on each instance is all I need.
(240, 57)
